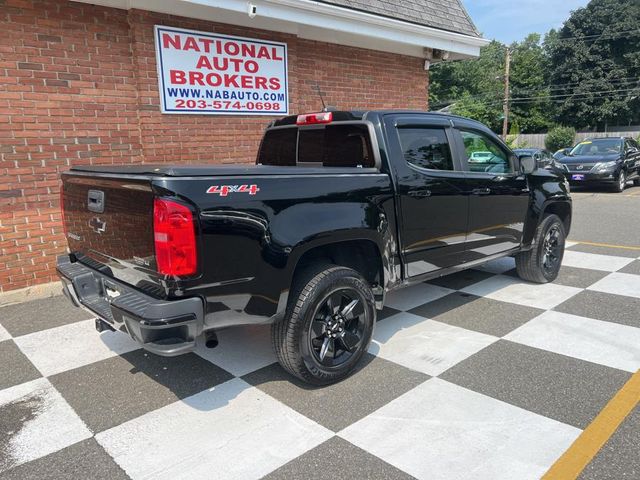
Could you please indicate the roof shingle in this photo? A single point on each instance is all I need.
(443, 14)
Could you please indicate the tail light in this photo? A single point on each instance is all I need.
(314, 118)
(175, 238)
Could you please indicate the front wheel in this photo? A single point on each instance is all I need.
(621, 184)
(328, 325)
(542, 263)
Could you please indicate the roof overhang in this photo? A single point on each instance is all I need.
(318, 21)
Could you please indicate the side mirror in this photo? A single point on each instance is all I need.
(527, 164)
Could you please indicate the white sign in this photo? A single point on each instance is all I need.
(207, 73)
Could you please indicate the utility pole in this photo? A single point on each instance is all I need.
(505, 104)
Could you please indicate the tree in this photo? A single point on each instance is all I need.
(559, 137)
(531, 108)
(595, 65)
(474, 87)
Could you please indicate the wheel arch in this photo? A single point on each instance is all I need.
(563, 210)
(362, 254)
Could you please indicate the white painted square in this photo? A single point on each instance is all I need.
(48, 423)
(425, 345)
(569, 243)
(232, 431)
(606, 343)
(440, 431)
(619, 284)
(607, 263)
(71, 346)
(4, 335)
(415, 295)
(500, 265)
(513, 290)
(240, 350)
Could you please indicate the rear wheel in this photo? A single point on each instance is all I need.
(542, 263)
(328, 325)
(621, 184)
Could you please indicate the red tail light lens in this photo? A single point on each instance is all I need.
(175, 238)
(314, 118)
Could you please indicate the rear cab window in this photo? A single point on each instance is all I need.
(333, 145)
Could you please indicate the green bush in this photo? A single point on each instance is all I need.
(559, 137)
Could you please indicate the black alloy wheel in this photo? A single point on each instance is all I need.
(328, 325)
(552, 250)
(542, 262)
(337, 328)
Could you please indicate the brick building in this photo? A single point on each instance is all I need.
(79, 84)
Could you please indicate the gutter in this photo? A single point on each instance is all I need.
(317, 21)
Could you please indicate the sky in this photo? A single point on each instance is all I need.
(511, 20)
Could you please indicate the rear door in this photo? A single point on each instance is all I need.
(431, 186)
(499, 196)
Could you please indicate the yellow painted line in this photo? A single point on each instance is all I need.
(608, 245)
(591, 440)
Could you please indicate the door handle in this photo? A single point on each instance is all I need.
(419, 193)
(481, 191)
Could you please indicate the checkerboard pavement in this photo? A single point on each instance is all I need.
(473, 375)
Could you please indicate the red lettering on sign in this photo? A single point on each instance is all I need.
(178, 77)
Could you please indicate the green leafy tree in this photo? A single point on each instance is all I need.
(560, 137)
(531, 108)
(473, 88)
(595, 65)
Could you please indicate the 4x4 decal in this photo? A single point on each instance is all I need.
(224, 190)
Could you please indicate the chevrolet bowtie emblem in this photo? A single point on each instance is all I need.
(97, 225)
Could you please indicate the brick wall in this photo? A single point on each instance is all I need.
(78, 85)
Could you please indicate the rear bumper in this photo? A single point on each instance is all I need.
(164, 327)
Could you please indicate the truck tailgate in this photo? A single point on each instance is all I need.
(109, 226)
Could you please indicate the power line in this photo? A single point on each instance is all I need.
(621, 82)
(595, 36)
(574, 94)
(551, 98)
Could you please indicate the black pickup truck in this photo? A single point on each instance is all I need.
(341, 208)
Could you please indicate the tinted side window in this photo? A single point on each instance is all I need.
(426, 148)
(483, 154)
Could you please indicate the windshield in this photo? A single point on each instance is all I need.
(598, 147)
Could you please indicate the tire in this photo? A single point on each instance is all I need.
(621, 183)
(636, 182)
(533, 265)
(297, 338)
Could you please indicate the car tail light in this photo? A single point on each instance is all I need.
(314, 118)
(175, 238)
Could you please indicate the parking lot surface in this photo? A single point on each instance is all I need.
(474, 375)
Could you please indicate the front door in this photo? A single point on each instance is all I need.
(499, 195)
(431, 193)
